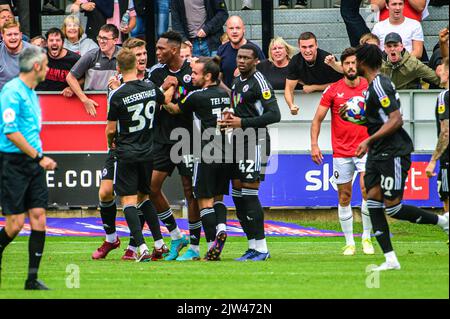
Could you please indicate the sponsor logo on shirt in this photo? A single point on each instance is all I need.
(340, 95)
(237, 99)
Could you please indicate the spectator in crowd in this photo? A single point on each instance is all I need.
(354, 22)
(309, 69)
(282, 4)
(121, 9)
(162, 13)
(275, 68)
(49, 8)
(414, 9)
(228, 51)
(23, 10)
(39, 41)
(410, 30)
(141, 19)
(440, 51)
(7, 15)
(405, 70)
(60, 62)
(369, 38)
(74, 37)
(10, 48)
(200, 22)
(186, 51)
(96, 66)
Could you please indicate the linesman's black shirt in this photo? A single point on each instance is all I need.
(167, 122)
(442, 113)
(381, 100)
(254, 101)
(134, 106)
(207, 105)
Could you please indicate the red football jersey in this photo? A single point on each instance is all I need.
(345, 136)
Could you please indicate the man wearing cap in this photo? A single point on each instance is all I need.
(405, 70)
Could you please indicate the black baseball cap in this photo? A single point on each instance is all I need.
(393, 38)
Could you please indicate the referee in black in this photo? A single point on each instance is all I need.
(22, 165)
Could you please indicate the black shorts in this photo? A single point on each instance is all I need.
(443, 182)
(252, 167)
(134, 177)
(23, 184)
(108, 169)
(162, 161)
(211, 180)
(390, 174)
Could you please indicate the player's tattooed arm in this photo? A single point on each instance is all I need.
(111, 129)
(441, 146)
(172, 108)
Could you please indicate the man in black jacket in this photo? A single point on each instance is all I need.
(200, 22)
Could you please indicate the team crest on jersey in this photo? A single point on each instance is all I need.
(385, 101)
(187, 78)
(266, 94)
(245, 88)
(441, 109)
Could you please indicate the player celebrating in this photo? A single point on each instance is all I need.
(108, 208)
(346, 137)
(173, 66)
(441, 151)
(211, 180)
(130, 128)
(255, 107)
(389, 157)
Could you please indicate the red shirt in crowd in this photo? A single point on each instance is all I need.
(409, 12)
(345, 136)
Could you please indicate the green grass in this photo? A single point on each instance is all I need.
(299, 268)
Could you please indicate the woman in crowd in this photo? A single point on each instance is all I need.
(276, 67)
(76, 40)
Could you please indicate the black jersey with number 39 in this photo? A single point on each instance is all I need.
(381, 100)
(133, 105)
(442, 113)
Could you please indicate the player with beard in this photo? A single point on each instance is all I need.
(211, 178)
(255, 107)
(389, 150)
(346, 137)
(173, 70)
(60, 62)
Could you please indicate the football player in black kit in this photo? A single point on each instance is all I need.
(172, 66)
(211, 172)
(255, 107)
(441, 151)
(389, 149)
(129, 131)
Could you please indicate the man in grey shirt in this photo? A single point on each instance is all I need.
(200, 22)
(97, 67)
(10, 48)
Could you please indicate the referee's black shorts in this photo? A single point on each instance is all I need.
(211, 180)
(133, 177)
(23, 184)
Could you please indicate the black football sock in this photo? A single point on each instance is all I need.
(151, 217)
(221, 213)
(167, 218)
(240, 212)
(255, 213)
(108, 212)
(412, 214)
(195, 231)
(380, 225)
(131, 215)
(5, 240)
(35, 250)
(132, 242)
(209, 223)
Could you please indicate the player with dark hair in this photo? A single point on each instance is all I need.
(130, 132)
(172, 69)
(255, 107)
(441, 151)
(211, 180)
(389, 150)
(346, 138)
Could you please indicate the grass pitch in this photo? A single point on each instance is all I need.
(299, 268)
